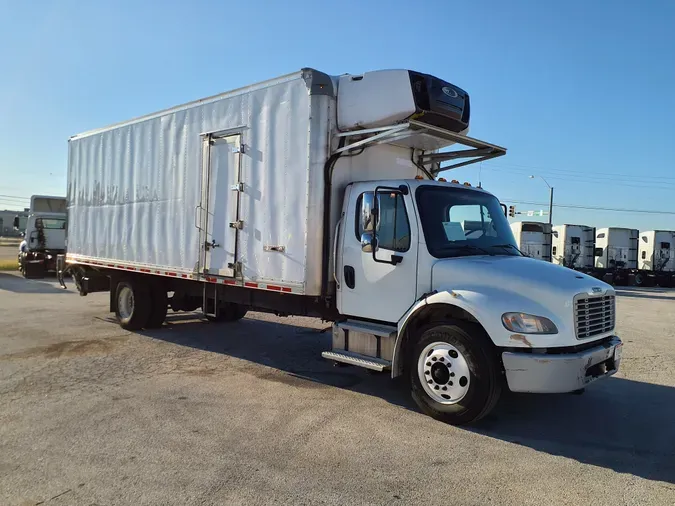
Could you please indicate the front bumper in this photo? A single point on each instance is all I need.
(549, 373)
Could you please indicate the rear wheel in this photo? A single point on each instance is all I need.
(230, 312)
(455, 375)
(134, 304)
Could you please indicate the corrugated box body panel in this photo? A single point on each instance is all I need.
(134, 189)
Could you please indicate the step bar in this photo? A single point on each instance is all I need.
(348, 357)
(376, 329)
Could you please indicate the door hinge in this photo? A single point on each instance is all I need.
(239, 187)
(239, 224)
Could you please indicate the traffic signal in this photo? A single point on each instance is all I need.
(512, 211)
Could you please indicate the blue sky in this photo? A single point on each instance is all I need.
(579, 92)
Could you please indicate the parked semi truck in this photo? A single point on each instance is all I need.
(656, 258)
(316, 195)
(616, 253)
(573, 246)
(533, 238)
(44, 236)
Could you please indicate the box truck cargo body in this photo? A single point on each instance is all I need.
(316, 195)
(573, 246)
(533, 238)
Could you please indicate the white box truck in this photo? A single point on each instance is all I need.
(656, 258)
(616, 254)
(316, 195)
(533, 238)
(573, 246)
(44, 236)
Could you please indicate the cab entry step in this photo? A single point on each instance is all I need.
(346, 357)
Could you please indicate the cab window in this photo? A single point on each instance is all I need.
(393, 228)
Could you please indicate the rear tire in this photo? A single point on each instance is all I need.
(134, 304)
(230, 312)
(160, 306)
(461, 373)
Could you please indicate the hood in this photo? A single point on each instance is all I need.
(523, 275)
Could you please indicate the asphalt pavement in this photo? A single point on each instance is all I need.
(249, 413)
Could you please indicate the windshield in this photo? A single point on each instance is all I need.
(50, 223)
(459, 222)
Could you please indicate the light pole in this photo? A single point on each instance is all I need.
(550, 194)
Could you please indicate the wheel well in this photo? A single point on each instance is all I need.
(426, 316)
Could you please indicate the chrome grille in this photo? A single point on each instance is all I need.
(593, 315)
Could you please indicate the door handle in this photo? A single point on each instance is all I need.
(213, 244)
(350, 276)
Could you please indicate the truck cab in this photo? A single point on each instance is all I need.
(430, 283)
(44, 237)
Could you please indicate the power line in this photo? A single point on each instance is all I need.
(5, 197)
(592, 208)
(611, 174)
(657, 185)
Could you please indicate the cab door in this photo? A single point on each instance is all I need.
(381, 286)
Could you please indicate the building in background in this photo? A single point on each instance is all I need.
(7, 222)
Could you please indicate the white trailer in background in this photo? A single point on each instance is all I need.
(533, 238)
(573, 246)
(315, 195)
(656, 258)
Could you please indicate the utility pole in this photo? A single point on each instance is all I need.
(550, 205)
(550, 201)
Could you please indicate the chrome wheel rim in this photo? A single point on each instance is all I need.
(444, 373)
(125, 302)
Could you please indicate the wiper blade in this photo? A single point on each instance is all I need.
(509, 246)
(469, 247)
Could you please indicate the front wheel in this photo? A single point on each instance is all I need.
(455, 375)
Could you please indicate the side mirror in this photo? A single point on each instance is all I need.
(368, 213)
(597, 252)
(367, 242)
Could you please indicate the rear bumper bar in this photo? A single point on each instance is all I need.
(546, 373)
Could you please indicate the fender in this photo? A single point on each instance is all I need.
(485, 305)
(449, 297)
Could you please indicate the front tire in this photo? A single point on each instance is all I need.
(134, 304)
(454, 373)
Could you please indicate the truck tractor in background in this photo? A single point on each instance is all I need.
(533, 238)
(44, 237)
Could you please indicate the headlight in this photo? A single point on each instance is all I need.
(528, 324)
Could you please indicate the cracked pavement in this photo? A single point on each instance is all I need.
(249, 413)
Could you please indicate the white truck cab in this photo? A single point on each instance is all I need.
(44, 237)
(441, 271)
